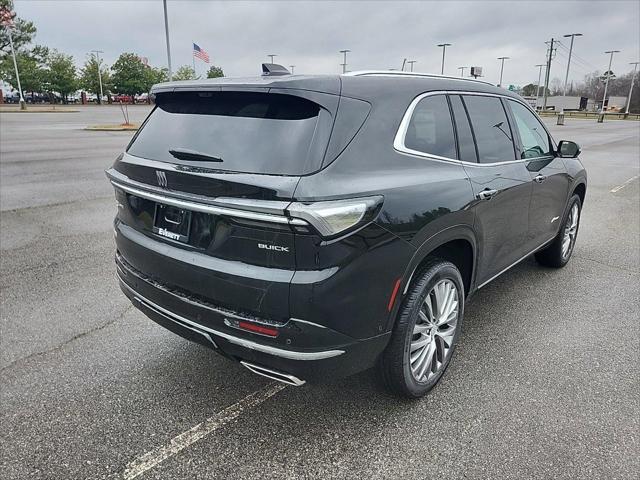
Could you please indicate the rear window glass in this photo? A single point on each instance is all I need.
(491, 128)
(235, 131)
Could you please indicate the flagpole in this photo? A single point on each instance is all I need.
(193, 57)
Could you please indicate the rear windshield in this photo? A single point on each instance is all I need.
(235, 131)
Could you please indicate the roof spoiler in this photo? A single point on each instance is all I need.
(273, 69)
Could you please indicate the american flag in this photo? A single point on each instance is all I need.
(200, 53)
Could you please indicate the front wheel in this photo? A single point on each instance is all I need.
(558, 253)
(426, 331)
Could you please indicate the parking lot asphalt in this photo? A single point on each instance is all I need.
(544, 384)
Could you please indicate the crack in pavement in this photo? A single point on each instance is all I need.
(67, 342)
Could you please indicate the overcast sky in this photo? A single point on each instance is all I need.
(239, 35)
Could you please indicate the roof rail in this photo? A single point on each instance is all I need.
(361, 73)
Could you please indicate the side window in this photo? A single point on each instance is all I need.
(535, 141)
(466, 145)
(430, 129)
(491, 128)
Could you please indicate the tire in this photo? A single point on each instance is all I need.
(555, 255)
(399, 373)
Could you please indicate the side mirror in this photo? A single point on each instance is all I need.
(568, 149)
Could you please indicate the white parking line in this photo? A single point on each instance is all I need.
(620, 187)
(152, 458)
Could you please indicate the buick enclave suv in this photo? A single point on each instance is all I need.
(311, 227)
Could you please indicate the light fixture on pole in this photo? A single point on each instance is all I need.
(272, 56)
(98, 52)
(607, 74)
(566, 76)
(344, 61)
(502, 59)
(633, 78)
(166, 33)
(461, 71)
(444, 49)
(292, 67)
(411, 62)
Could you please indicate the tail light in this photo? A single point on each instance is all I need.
(334, 217)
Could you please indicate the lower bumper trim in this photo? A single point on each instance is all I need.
(207, 332)
(273, 374)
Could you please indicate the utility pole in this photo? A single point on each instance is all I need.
(166, 32)
(502, 68)
(444, 49)
(344, 62)
(538, 84)
(546, 75)
(292, 68)
(566, 77)
(411, 62)
(6, 19)
(272, 56)
(461, 71)
(633, 78)
(608, 75)
(98, 52)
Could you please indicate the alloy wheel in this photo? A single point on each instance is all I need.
(434, 331)
(570, 231)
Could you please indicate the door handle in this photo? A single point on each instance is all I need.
(539, 178)
(487, 194)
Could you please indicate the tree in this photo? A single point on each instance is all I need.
(61, 74)
(130, 75)
(22, 32)
(185, 72)
(32, 68)
(89, 79)
(155, 75)
(215, 72)
(531, 90)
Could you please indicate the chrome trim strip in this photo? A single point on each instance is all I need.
(398, 141)
(278, 352)
(205, 208)
(273, 374)
(514, 263)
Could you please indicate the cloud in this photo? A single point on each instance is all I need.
(239, 35)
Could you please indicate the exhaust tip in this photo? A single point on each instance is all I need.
(274, 374)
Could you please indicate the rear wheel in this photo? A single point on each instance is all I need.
(558, 253)
(426, 331)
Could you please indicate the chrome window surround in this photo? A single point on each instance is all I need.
(398, 142)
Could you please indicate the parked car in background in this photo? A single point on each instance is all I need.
(311, 227)
(142, 98)
(121, 98)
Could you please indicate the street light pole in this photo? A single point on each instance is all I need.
(633, 77)
(502, 68)
(411, 62)
(344, 63)
(23, 106)
(444, 49)
(98, 52)
(166, 32)
(461, 71)
(566, 77)
(272, 56)
(538, 85)
(292, 67)
(608, 75)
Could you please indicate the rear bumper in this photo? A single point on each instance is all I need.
(326, 353)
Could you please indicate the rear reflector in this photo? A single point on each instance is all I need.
(393, 294)
(252, 327)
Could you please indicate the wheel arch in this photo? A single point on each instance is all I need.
(456, 244)
(580, 189)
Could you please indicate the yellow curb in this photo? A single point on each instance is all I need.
(112, 128)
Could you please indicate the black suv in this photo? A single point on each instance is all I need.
(315, 226)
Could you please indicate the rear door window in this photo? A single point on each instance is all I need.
(430, 129)
(236, 131)
(491, 129)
